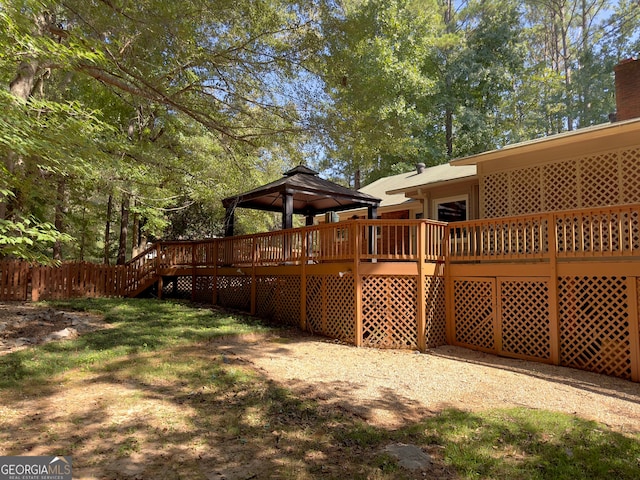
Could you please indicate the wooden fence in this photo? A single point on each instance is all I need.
(14, 280)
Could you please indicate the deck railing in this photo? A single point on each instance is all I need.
(594, 232)
(380, 240)
(588, 234)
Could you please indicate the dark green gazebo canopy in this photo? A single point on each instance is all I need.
(300, 191)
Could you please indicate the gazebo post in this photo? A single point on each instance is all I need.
(372, 214)
(287, 222)
(229, 221)
(287, 210)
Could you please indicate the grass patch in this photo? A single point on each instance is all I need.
(151, 387)
(531, 444)
(140, 326)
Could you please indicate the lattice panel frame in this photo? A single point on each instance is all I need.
(606, 178)
(524, 318)
(600, 182)
(314, 310)
(475, 312)
(560, 185)
(594, 317)
(435, 312)
(630, 173)
(389, 316)
(265, 296)
(340, 308)
(495, 195)
(203, 288)
(287, 300)
(525, 191)
(331, 306)
(234, 291)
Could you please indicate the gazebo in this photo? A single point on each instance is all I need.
(300, 191)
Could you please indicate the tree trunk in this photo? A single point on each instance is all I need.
(107, 231)
(448, 114)
(22, 86)
(124, 229)
(135, 235)
(448, 125)
(60, 212)
(83, 234)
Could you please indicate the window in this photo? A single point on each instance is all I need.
(451, 209)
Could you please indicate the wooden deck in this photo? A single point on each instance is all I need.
(560, 288)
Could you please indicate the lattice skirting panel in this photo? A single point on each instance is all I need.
(475, 312)
(203, 289)
(389, 311)
(278, 298)
(435, 315)
(525, 326)
(331, 306)
(596, 323)
(235, 292)
(265, 296)
(177, 287)
(595, 316)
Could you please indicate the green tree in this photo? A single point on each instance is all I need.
(103, 96)
(377, 91)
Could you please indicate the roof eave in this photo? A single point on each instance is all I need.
(431, 184)
(553, 141)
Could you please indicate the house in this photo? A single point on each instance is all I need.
(443, 192)
(543, 262)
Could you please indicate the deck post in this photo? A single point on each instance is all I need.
(303, 280)
(554, 322)
(421, 323)
(357, 283)
(216, 245)
(158, 263)
(160, 286)
(193, 271)
(372, 247)
(449, 292)
(254, 287)
(634, 328)
(36, 280)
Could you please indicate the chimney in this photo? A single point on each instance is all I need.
(420, 167)
(627, 74)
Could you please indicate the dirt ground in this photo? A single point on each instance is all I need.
(383, 387)
(23, 325)
(391, 387)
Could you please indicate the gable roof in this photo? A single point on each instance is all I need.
(391, 189)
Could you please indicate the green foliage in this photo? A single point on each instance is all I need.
(372, 68)
(28, 239)
(177, 105)
(170, 104)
